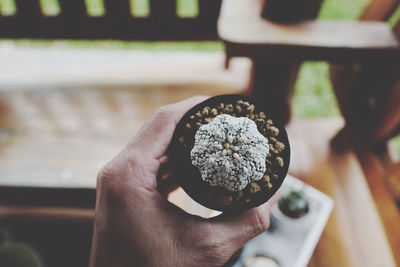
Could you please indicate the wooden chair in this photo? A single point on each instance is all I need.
(368, 93)
(274, 47)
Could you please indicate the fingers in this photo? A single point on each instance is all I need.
(154, 137)
(237, 229)
(141, 158)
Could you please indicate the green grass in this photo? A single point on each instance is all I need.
(140, 8)
(114, 44)
(313, 95)
(7, 7)
(342, 9)
(395, 143)
(187, 8)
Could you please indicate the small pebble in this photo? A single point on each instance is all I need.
(254, 188)
(188, 126)
(279, 161)
(272, 130)
(273, 140)
(262, 115)
(268, 185)
(228, 108)
(181, 140)
(266, 179)
(250, 109)
(214, 112)
(208, 119)
(279, 147)
(260, 123)
(205, 111)
(238, 109)
(236, 156)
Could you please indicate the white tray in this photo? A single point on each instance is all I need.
(291, 242)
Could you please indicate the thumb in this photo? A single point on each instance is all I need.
(239, 228)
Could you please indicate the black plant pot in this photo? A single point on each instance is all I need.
(290, 11)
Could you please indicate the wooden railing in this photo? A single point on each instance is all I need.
(73, 21)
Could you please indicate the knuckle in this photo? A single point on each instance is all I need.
(118, 166)
(163, 112)
(106, 173)
(107, 180)
(213, 250)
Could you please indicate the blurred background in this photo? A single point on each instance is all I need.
(79, 78)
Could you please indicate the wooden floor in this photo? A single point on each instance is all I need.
(355, 234)
(61, 136)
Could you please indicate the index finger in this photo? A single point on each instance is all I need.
(154, 137)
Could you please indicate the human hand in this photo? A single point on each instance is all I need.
(135, 225)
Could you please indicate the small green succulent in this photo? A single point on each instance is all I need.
(293, 204)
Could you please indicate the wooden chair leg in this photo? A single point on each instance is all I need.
(343, 79)
(366, 96)
(389, 126)
(272, 86)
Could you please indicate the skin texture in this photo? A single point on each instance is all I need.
(135, 225)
